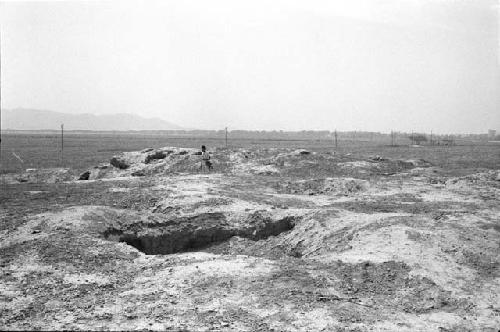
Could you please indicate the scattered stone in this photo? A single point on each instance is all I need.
(155, 156)
(264, 170)
(84, 176)
(138, 173)
(119, 162)
(301, 152)
(378, 158)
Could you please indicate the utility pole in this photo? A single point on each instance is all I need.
(226, 137)
(392, 138)
(432, 142)
(62, 144)
(336, 145)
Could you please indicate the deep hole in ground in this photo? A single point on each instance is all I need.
(198, 232)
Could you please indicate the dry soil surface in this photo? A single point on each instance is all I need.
(270, 240)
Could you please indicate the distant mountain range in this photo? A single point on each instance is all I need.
(31, 119)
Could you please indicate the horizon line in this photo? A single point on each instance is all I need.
(277, 131)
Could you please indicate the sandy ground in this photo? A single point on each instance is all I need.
(384, 245)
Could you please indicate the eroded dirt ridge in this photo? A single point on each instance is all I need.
(197, 232)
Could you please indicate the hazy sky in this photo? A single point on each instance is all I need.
(352, 65)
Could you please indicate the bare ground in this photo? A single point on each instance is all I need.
(274, 239)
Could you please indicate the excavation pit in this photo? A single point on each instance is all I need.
(198, 232)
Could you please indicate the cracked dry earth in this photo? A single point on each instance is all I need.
(253, 248)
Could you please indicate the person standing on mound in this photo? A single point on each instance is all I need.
(205, 159)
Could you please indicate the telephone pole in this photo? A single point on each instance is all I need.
(62, 144)
(336, 145)
(226, 137)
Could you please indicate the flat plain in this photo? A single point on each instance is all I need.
(84, 150)
(281, 235)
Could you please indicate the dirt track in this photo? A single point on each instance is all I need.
(273, 240)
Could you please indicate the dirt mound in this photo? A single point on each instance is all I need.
(35, 175)
(328, 186)
(119, 162)
(147, 162)
(254, 168)
(146, 156)
(378, 165)
(384, 283)
(157, 155)
(412, 163)
(491, 178)
(301, 152)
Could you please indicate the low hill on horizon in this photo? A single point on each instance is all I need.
(32, 119)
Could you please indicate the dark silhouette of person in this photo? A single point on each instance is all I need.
(205, 159)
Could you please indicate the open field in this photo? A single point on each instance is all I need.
(82, 151)
(276, 238)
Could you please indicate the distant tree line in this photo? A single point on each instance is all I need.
(398, 137)
(394, 137)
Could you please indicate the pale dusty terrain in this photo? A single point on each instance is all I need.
(272, 239)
